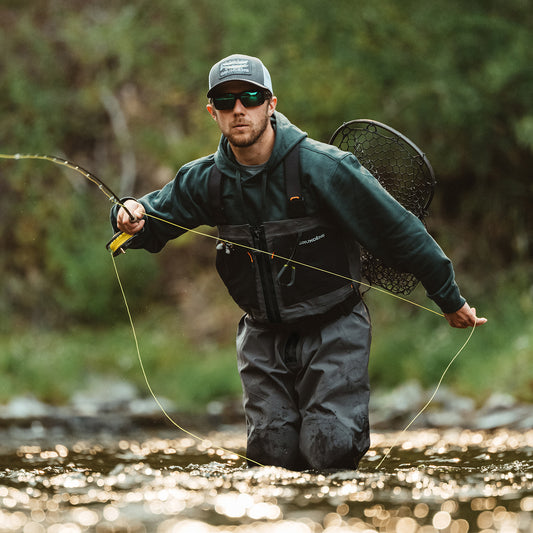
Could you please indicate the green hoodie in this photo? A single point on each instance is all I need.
(334, 185)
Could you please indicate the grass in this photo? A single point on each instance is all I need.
(414, 344)
(408, 344)
(53, 365)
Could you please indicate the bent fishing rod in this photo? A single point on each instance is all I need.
(118, 240)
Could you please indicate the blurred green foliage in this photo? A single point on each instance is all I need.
(497, 359)
(54, 365)
(119, 88)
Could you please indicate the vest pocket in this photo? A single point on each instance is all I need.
(236, 267)
(323, 251)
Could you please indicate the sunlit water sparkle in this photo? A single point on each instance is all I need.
(454, 481)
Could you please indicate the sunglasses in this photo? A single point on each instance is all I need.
(224, 102)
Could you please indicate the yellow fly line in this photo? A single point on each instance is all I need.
(430, 399)
(163, 410)
(125, 236)
(289, 260)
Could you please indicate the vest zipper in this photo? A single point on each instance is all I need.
(265, 274)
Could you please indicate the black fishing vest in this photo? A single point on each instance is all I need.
(286, 271)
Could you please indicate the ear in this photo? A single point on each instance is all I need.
(272, 105)
(212, 111)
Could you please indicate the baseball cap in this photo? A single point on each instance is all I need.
(241, 68)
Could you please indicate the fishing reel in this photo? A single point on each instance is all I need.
(117, 245)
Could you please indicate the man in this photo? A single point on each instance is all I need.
(282, 201)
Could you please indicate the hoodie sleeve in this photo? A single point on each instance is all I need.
(389, 231)
(171, 211)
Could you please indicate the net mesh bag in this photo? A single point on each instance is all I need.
(404, 171)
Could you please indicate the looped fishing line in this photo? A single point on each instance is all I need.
(430, 400)
(111, 196)
(163, 410)
(273, 255)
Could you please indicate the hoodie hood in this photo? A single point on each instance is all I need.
(287, 136)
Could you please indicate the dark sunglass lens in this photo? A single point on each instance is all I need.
(224, 102)
(252, 98)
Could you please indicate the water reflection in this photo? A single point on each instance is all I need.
(454, 481)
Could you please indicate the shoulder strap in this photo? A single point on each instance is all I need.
(293, 187)
(214, 190)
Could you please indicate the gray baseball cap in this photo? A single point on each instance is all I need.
(242, 68)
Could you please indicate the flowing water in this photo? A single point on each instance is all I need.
(161, 481)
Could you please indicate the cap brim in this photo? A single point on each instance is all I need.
(218, 85)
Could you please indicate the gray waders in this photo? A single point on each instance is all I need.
(306, 391)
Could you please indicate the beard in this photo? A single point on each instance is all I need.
(243, 140)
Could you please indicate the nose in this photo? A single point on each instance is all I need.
(238, 107)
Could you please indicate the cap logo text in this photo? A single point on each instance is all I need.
(235, 67)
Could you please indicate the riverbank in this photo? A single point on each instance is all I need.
(116, 406)
(189, 357)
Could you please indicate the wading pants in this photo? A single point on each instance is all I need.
(306, 392)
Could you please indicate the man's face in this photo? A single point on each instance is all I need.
(242, 126)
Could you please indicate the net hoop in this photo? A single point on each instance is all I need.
(403, 170)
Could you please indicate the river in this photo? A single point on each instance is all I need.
(158, 479)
